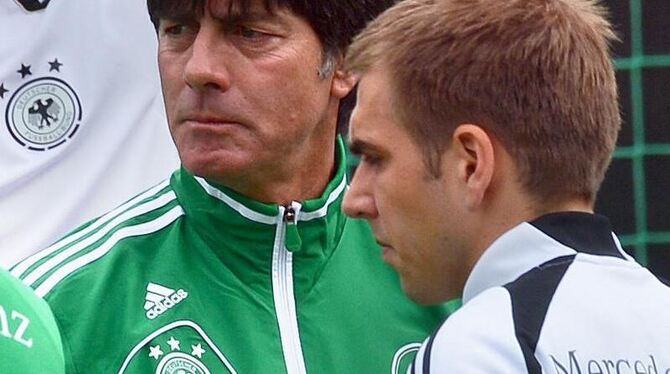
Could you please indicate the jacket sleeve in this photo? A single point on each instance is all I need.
(477, 339)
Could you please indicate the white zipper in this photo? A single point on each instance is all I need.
(282, 287)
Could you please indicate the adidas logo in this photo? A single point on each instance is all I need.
(159, 299)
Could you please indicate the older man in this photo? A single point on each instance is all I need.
(485, 129)
(243, 261)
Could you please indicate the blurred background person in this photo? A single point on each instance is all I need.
(29, 339)
(83, 123)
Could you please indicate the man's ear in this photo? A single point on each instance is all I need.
(343, 82)
(475, 160)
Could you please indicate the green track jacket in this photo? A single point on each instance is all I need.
(190, 277)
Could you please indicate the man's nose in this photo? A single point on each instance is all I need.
(206, 67)
(359, 202)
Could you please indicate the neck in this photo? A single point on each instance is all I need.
(505, 205)
(565, 205)
(299, 176)
(509, 208)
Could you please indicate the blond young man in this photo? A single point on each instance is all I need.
(485, 129)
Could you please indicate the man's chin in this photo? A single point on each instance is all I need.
(212, 169)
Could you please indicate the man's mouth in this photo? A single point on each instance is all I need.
(382, 243)
(387, 250)
(205, 118)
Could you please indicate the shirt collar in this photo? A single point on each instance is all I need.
(218, 213)
(531, 244)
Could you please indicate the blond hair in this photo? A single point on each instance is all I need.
(537, 74)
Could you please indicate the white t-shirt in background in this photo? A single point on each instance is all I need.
(82, 121)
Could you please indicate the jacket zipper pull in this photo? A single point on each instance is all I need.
(292, 239)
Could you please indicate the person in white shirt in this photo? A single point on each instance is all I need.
(82, 117)
(485, 129)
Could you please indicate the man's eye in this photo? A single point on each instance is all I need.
(174, 29)
(370, 159)
(177, 28)
(248, 33)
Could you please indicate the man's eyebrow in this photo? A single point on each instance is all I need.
(359, 147)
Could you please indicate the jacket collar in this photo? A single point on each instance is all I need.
(220, 215)
(531, 244)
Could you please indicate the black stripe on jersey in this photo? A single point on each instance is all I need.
(530, 295)
(426, 354)
(583, 232)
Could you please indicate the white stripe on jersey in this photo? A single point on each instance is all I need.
(263, 218)
(19, 269)
(405, 350)
(243, 210)
(620, 248)
(61, 257)
(308, 216)
(126, 232)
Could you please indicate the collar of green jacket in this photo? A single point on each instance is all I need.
(220, 215)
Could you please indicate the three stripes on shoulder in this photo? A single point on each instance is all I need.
(45, 269)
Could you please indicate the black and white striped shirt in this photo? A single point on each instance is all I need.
(557, 295)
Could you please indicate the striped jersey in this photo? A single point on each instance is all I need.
(556, 295)
(190, 275)
(82, 121)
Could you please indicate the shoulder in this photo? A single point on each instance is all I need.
(497, 330)
(478, 338)
(101, 240)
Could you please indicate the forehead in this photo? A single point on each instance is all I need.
(196, 8)
(373, 109)
(374, 122)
